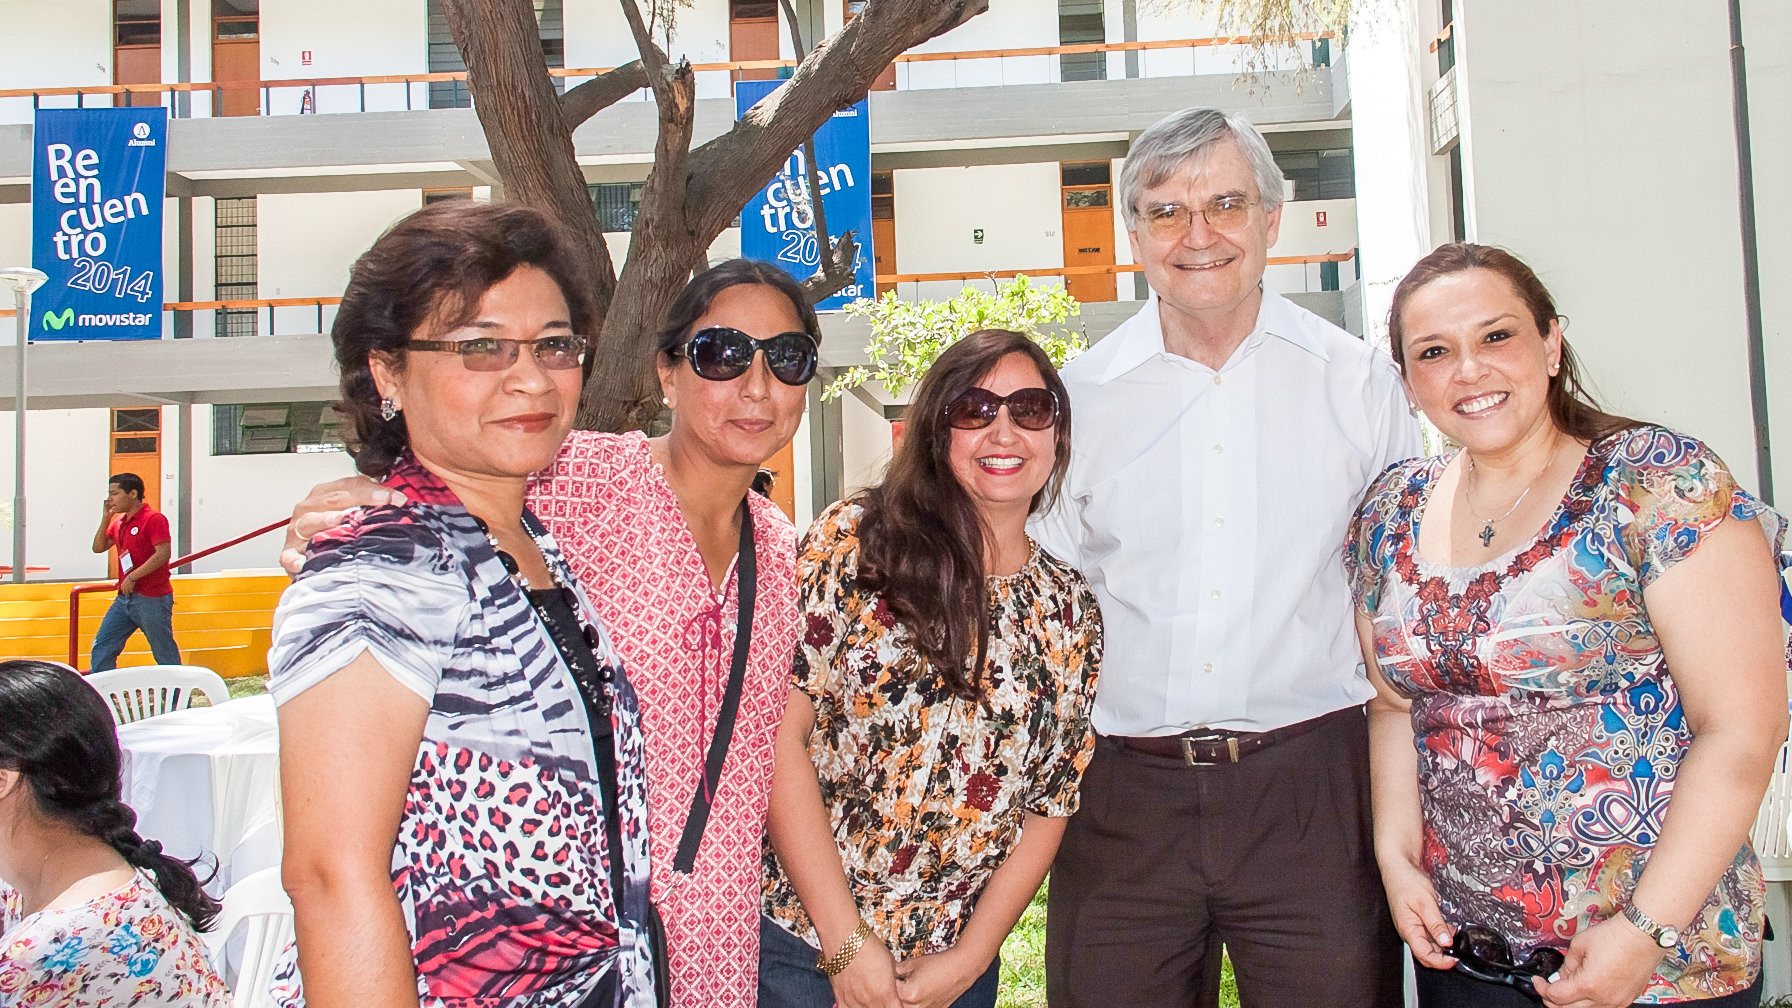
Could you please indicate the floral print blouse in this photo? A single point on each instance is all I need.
(125, 947)
(926, 791)
(1548, 726)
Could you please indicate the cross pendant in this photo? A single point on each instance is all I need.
(1487, 534)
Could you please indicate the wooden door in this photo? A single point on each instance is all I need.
(883, 246)
(783, 469)
(753, 35)
(136, 447)
(1089, 241)
(137, 49)
(236, 57)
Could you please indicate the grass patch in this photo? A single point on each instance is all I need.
(251, 685)
(1023, 963)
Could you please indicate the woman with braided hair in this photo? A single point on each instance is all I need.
(90, 912)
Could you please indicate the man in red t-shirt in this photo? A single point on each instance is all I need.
(145, 598)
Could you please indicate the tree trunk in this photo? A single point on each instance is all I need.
(690, 195)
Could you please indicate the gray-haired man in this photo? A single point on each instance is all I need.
(1223, 437)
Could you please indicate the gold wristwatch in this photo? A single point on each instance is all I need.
(1661, 934)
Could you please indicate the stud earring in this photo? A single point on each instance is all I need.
(666, 401)
(388, 408)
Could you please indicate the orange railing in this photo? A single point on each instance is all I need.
(216, 89)
(75, 593)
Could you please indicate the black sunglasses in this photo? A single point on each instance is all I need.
(1482, 952)
(1029, 408)
(720, 353)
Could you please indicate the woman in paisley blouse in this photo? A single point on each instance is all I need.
(91, 914)
(461, 754)
(938, 727)
(1571, 624)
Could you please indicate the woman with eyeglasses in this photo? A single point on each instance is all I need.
(461, 757)
(655, 529)
(1571, 623)
(938, 726)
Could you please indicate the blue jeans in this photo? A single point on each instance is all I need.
(788, 977)
(153, 616)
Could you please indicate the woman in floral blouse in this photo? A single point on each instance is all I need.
(1581, 687)
(91, 914)
(938, 726)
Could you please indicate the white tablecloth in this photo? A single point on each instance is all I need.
(207, 781)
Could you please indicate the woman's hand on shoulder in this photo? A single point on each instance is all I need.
(869, 981)
(324, 508)
(1608, 966)
(1413, 903)
(937, 980)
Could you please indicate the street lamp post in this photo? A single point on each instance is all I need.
(22, 280)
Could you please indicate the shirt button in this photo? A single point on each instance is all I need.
(1216, 593)
(1216, 379)
(1207, 668)
(1217, 449)
(1219, 520)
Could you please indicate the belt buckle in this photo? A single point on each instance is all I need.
(1190, 739)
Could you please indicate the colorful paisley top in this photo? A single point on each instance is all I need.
(1548, 727)
(502, 863)
(125, 947)
(926, 791)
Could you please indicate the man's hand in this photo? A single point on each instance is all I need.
(324, 508)
(127, 585)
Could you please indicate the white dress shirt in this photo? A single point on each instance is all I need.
(1208, 510)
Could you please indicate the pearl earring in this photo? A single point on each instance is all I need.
(388, 408)
(666, 401)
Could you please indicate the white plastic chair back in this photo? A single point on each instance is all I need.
(1769, 835)
(147, 690)
(257, 906)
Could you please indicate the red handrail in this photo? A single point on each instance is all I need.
(75, 593)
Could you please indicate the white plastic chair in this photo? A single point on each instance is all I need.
(257, 906)
(1772, 839)
(147, 690)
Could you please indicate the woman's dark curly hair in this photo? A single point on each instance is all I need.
(56, 731)
(429, 272)
(921, 538)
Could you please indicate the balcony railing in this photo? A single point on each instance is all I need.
(914, 72)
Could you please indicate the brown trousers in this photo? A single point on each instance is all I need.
(1271, 857)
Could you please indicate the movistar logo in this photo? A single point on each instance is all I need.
(54, 321)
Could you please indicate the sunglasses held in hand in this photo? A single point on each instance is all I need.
(1029, 408)
(1482, 952)
(720, 353)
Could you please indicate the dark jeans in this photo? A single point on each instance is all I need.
(788, 977)
(1450, 989)
(154, 616)
(1270, 856)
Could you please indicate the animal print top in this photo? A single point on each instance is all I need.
(501, 865)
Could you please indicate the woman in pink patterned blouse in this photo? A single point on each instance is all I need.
(651, 527)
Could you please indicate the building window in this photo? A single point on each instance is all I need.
(1320, 174)
(275, 428)
(1446, 39)
(236, 277)
(445, 58)
(616, 204)
(137, 23)
(1080, 22)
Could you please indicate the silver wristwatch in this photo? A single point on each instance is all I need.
(1666, 937)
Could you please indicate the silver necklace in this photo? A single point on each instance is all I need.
(1487, 524)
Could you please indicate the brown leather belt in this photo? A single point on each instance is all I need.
(1215, 747)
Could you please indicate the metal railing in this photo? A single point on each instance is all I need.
(405, 92)
(75, 593)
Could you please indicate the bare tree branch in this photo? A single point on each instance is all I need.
(836, 270)
(829, 277)
(602, 91)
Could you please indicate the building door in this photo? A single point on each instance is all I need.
(236, 56)
(1088, 229)
(783, 469)
(753, 35)
(883, 227)
(137, 48)
(137, 448)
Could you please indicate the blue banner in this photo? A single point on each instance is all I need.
(777, 225)
(97, 179)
